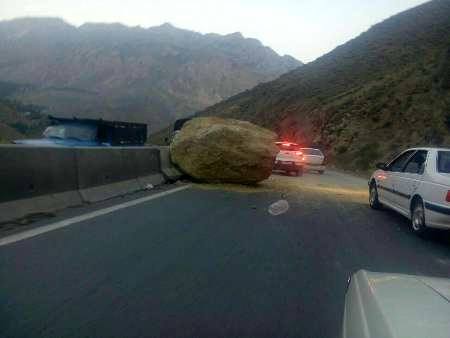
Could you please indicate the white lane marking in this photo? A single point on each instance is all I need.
(61, 224)
(279, 208)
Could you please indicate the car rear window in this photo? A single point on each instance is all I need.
(309, 151)
(288, 147)
(444, 162)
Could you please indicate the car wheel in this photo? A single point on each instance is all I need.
(374, 202)
(418, 218)
(321, 172)
(300, 172)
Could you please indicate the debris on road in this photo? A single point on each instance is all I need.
(217, 150)
(279, 208)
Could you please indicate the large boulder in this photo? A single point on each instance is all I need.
(218, 150)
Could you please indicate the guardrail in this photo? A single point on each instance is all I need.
(45, 179)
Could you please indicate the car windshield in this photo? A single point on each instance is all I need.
(444, 162)
(72, 131)
(207, 168)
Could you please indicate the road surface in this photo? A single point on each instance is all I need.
(208, 261)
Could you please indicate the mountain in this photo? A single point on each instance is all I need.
(387, 89)
(113, 71)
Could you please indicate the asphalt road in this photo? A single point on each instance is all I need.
(210, 262)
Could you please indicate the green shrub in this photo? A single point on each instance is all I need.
(367, 156)
(20, 127)
(341, 149)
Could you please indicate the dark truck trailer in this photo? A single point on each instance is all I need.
(72, 132)
(119, 133)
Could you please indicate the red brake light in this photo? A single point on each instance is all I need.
(447, 198)
(299, 153)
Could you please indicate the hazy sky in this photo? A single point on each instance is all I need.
(305, 29)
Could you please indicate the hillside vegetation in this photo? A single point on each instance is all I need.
(112, 71)
(387, 89)
(18, 120)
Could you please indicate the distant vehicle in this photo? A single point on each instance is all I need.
(416, 184)
(313, 159)
(385, 305)
(176, 127)
(65, 132)
(289, 159)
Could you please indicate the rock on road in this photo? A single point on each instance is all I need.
(211, 261)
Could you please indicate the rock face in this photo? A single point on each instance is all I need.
(218, 150)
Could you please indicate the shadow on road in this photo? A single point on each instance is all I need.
(436, 236)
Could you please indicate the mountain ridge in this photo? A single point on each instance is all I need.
(357, 101)
(113, 71)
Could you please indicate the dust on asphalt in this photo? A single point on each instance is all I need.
(311, 194)
(333, 185)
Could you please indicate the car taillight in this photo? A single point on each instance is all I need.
(447, 198)
(299, 153)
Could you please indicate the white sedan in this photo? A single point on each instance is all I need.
(313, 159)
(289, 159)
(416, 184)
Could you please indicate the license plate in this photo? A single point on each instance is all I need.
(285, 162)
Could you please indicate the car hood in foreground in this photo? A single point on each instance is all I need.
(395, 305)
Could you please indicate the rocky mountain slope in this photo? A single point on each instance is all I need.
(384, 90)
(130, 73)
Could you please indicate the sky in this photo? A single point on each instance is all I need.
(305, 29)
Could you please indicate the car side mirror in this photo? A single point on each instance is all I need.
(381, 166)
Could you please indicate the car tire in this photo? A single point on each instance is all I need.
(321, 172)
(300, 172)
(374, 202)
(418, 224)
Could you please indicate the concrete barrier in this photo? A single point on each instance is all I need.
(44, 179)
(104, 173)
(36, 180)
(170, 172)
(146, 165)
